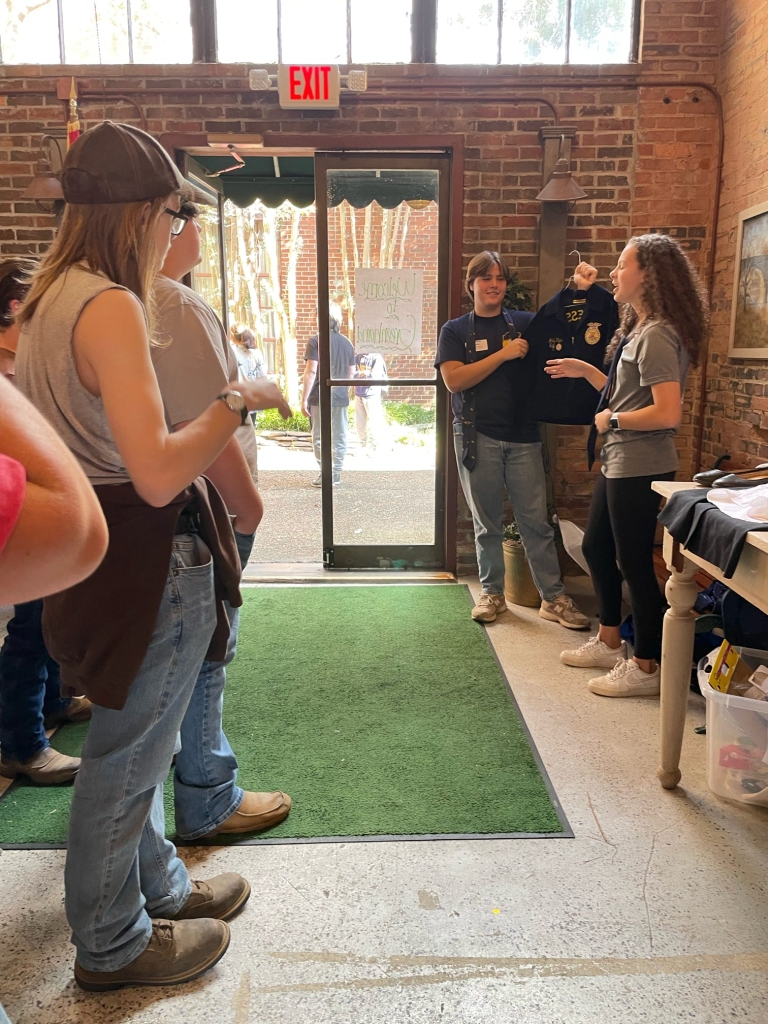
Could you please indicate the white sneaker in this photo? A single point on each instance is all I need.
(488, 607)
(627, 679)
(594, 654)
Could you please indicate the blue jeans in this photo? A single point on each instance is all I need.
(29, 685)
(120, 869)
(205, 790)
(519, 468)
(339, 423)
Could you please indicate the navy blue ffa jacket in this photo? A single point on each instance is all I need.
(572, 325)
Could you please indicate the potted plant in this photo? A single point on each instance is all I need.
(519, 587)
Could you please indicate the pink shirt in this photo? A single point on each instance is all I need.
(13, 482)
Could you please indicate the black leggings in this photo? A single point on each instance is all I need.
(621, 528)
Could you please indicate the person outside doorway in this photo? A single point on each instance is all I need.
(342, 367)
(370, 422)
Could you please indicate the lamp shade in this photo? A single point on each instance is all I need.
(561, 187)
(45, 186)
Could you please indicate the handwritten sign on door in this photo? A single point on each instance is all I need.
(388, 310)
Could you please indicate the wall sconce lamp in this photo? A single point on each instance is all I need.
(45, 187)
(562, 187)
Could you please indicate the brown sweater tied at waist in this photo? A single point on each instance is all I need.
(99, 631)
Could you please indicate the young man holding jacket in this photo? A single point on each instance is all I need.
(481, 357)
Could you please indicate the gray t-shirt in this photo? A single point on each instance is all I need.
(653, 355)
(198, 363)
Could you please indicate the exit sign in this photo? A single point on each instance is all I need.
(309, 86)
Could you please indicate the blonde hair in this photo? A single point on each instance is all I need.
(110, 239)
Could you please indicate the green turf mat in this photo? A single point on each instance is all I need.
(381, 709)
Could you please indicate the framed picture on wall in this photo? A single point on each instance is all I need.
(749, 308)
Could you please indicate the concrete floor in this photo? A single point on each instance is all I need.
(656, 912)
(385, 497)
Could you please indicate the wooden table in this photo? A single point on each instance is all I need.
(750, 580)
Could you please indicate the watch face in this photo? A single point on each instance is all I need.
(235, 401)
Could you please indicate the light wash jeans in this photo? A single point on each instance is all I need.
(519, 468)
(120, 868)
(370, 420)
(339, 422)
(205, 790)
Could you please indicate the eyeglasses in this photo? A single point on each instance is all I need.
(179, 221)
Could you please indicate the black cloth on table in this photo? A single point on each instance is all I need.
(705, 531)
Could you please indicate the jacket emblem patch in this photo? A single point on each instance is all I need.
(592, 334)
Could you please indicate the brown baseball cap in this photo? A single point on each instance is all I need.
(117, 163)
(189, 193)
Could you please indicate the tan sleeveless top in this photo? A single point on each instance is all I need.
(47, 375)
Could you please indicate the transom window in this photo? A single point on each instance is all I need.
(535, 32)
(95, 32)
(336, 31)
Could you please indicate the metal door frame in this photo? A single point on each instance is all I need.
(182, 161)
(353, 556)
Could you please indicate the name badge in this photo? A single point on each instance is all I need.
(481, 345)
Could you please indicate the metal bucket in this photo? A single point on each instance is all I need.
(519, 587)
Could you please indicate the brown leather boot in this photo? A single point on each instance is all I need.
(220, 897)
(256, 812)
(178, 951)
(46, 768)
(78, 710)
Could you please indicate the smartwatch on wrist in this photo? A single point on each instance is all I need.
(235, 401)
(613, 422)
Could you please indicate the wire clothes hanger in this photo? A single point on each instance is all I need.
(567, 283)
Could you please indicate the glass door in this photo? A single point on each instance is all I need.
(383, 237)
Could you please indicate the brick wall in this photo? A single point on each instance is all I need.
(736, 412)
(645, 155)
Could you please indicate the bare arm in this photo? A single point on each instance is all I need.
(113, 361)
(664, 414)
(310, 373)
(559, 368)
(459, 376)
(231, 477)
(60, 537)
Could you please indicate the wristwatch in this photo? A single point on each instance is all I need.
(235, 401)
(613, 422)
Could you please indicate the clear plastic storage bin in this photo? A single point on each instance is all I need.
(737, 740)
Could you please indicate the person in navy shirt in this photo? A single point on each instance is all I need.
(482, 359)
(370, 421)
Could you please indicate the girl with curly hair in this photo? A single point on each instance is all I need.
(662, 328)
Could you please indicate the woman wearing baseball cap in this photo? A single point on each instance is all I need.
(132, 636)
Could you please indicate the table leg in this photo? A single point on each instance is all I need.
(676, 659)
